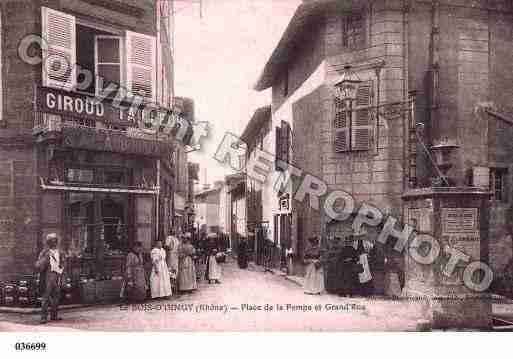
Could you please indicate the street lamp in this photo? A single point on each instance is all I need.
(347, 87)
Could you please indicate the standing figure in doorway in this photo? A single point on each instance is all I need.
(186, 268)
(314, 278)
(160, 283)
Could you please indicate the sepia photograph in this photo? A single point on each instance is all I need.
(244, 166)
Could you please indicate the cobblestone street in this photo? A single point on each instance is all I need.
(238, 304)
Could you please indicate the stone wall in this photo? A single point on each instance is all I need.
(19, 211)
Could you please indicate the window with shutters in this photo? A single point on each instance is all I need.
(108, 55)
(353, 125)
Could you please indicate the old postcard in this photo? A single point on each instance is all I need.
(255, 166)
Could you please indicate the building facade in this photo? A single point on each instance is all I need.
(78, 152)
(456, 56)
(206, 208)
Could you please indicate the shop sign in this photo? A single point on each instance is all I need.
(284, 203)
(460, 230)
(99, 140)
(82, 106)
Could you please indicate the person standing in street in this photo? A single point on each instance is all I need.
(50, 264)
(348, 268)
(213, 267)
(314, 278)
(242, 253)
(160, 283)
(186, 268)
(172, 244)
(135, 280)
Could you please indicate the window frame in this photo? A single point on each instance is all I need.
(122, 64)
(502, 174)
(350, 31)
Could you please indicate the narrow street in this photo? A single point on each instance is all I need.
(237, 304)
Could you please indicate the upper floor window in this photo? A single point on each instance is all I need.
(108, 61)
(498, 181)
(99, 55)
(353, 31)
(283, 142)
(353, 121)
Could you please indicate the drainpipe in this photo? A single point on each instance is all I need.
(157, 201)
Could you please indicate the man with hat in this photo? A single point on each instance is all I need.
(50, 264)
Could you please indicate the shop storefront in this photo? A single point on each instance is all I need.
(102, 189)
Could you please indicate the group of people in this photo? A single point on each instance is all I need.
(343, 265)
(177, 261)
(173, 264)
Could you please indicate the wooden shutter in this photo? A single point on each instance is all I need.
(285, 142)
(361, 126)
(277, 149)
(59, 53)
(141, 73)
(341, 127)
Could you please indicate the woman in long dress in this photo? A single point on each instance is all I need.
(160, 281)
(314, 279)
(173, 244)
(213, 268)
(135, 287)
(187, 270)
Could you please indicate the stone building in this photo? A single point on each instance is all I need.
(79, 155)
(260, 208)
(456, 55)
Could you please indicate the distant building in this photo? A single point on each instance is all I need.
(206, 204)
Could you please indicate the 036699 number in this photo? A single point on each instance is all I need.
(30, 346)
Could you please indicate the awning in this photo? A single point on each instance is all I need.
(77, 188)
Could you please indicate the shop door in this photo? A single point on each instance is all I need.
(113, 217)
(81, 219)
(144, 219)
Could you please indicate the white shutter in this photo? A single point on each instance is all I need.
(59, 53)
(141, 59)
(341, 127)
(361, 127)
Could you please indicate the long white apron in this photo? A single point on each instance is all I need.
(160, 281)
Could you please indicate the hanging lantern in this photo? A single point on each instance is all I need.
(348, 85)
